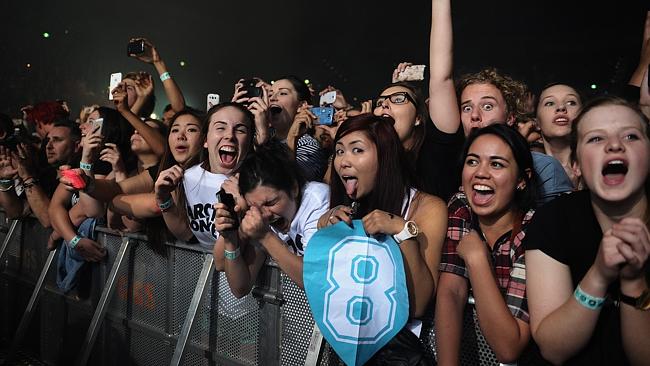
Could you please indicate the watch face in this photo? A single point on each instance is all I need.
(412, 228)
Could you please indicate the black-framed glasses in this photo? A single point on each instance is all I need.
(396, 98)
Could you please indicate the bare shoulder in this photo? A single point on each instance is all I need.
(427, 205)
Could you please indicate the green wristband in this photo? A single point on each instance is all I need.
(231, 255)
(588, 301)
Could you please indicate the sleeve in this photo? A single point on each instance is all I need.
(318, 204)
(459, 223)
(546, 229)
(516, 291)
(311, 158)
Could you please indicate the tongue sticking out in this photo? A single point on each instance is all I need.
(351, 187)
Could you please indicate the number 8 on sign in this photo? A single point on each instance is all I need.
(360, 303)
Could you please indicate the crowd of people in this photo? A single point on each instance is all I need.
(535, 207)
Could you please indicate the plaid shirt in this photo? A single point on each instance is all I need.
(507, 255)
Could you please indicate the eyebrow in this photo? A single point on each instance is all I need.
(492, 157)
(482, 98)
(553, 96)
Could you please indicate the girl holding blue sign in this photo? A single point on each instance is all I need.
(281, 218)
(368, 169)
(483, 253)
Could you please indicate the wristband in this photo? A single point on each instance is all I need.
(6, 181)
(166, 205)
(31, 182)
(85, 166)
(74, 241)
(231, 255)
(164, 76)
(588, 301)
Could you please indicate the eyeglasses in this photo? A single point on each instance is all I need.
(396, 98)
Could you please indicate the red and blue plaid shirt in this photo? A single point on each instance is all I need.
(507, 254)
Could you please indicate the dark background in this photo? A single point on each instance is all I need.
(353, 45)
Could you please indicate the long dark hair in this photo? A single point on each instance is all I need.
(271, 165)
(394, 174)
(525, 198)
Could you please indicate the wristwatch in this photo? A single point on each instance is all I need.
(410, 231)
(641, 303)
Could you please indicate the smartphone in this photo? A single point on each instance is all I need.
(98, 124)
(325, 115)
(328, 98)
(213, 99)
(135, 47)
(115, 79)
(228, 200)
(411, 73)
(251, 89)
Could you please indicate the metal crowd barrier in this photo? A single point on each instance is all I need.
(143, 308)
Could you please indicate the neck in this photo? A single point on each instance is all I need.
(493, 227)
(608, 213)
(147, 160)
(559, 148)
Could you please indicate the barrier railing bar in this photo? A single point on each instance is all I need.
(10, 234)
(199, 290)
(29, 311)
(100, 311)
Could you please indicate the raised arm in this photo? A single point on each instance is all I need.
(443, 104)
(175, 217)
(644, 61)
(153, 137)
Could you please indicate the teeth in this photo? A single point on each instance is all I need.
(616, 162)
(481, 187)
(227, 149)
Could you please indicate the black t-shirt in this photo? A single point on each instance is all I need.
(437, 166)
(566, 229)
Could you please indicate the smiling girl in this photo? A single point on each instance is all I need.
(483, 254)
(587, 252)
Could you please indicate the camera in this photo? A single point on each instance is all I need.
(135, 47)
(228, 200)
(249, 85)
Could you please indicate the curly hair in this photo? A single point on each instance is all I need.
(513, 91)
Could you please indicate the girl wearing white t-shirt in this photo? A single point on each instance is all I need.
(187, 208)
(283, 216)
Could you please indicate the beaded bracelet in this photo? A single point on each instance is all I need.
(588, 301)
(231, 255)
(164, 76)
(74, 241)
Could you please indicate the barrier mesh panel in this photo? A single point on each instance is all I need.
(186, 270)
(150, 279)
(297, 323)
(32, 254)
(118, 301)
(12, 253)
(237, 323)
(146, 350)
(475, 349)
(193, 359)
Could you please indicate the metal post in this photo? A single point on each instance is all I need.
(100, 311)
(29, 311)
(10, 234)
(199, 290)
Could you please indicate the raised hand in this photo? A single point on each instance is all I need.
(167, 181)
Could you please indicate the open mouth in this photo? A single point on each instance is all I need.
(351, 184)
(614, 172)
(482, 194)
(280, 223)
(562, 121)
(228, 155)
(275, 109)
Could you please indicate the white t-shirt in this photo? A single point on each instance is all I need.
(201, 187)
(314, 203)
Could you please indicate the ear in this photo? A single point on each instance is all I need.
(418, 120)
(77, 146)
(522, 182)
(511, 120)
(205, 143)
